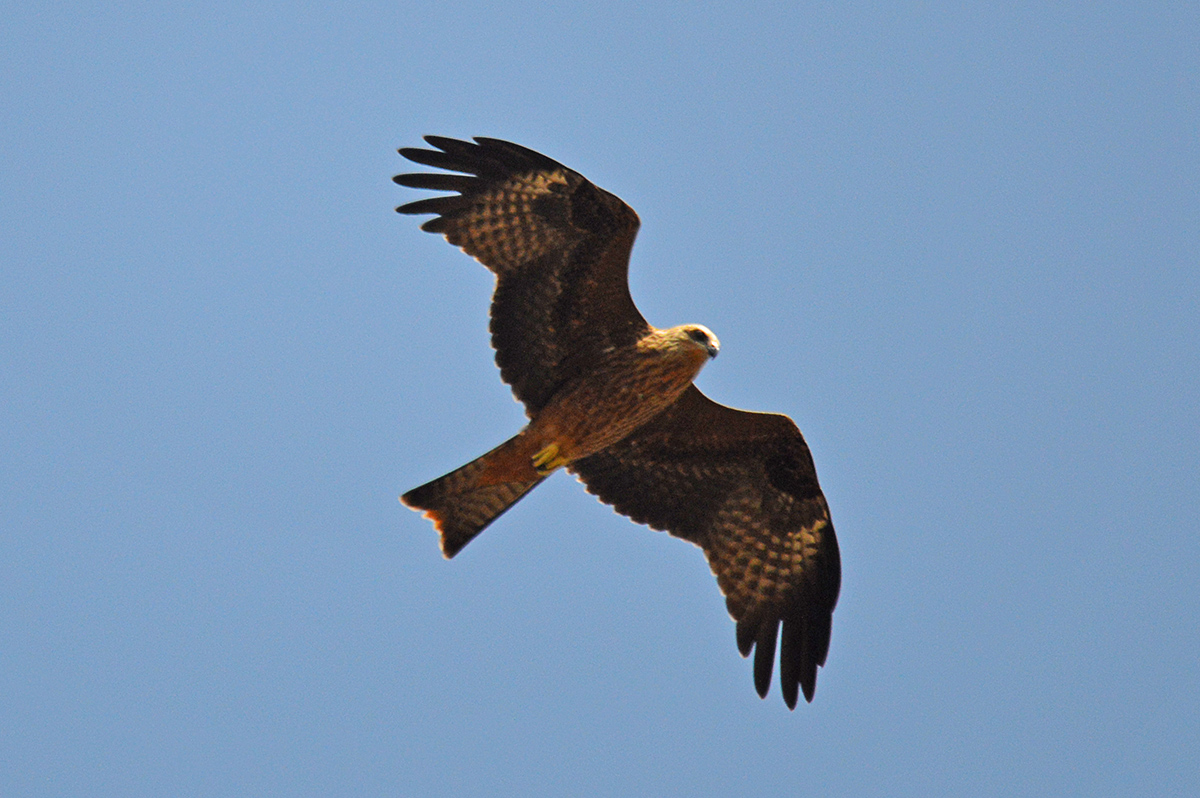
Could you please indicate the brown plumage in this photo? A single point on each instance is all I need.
(611, 398)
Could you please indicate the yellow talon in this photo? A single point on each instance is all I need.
(548, 459)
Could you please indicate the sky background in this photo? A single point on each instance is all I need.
(958, 243)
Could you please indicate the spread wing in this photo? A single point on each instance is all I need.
(742, 486)
(558, 245)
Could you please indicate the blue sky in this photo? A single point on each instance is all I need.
(958, 243)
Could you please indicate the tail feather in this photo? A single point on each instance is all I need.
(462, 503)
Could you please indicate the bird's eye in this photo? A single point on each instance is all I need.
(698, 336)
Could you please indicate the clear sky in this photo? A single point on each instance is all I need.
(958, 243)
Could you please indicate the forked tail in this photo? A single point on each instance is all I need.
(462, 503)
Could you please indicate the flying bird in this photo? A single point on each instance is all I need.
(610, 398)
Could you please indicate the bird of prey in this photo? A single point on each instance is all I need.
(611, 399)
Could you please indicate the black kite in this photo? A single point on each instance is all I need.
(611, 398)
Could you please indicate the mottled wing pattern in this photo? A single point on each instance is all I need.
(559, 247)
(743, 487)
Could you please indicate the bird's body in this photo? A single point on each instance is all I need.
(627, 388)
(611, 398)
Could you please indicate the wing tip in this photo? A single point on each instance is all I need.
(444, 143)
(803, 644)
(745, 637)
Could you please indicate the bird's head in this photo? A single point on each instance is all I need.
(691, 343)
(703, 337)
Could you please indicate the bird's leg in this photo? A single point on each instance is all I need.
(548, 459)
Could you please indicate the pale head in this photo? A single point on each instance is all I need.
(702, 337)
(695, 341)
